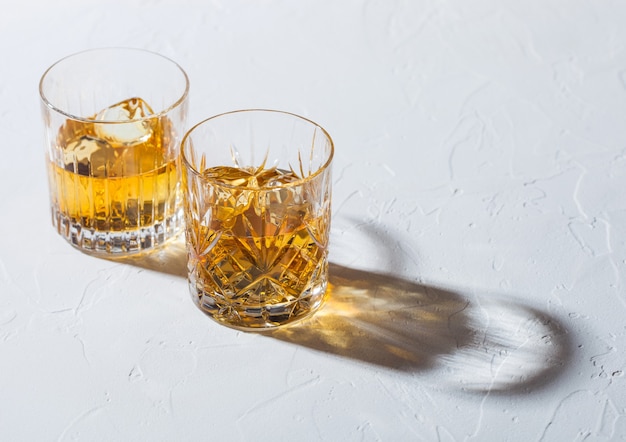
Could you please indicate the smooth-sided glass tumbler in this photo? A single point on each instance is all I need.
(257, 187)
(114, 119)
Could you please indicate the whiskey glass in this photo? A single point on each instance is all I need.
(114, 119)
(257, 199)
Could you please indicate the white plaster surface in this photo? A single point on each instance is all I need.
(478, 244)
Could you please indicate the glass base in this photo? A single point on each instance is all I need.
(260, 318)
(117, 243)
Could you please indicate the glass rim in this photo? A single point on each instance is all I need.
(67, 114)
(300, 181)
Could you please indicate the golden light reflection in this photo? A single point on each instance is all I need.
(475, 344)
(479, 345)
(380, 319)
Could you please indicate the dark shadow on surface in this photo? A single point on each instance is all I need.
(491, 345)
(483, 343)
(382, 320)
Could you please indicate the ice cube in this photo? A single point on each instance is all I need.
(116, 131)
(139, 159)
(276, 177)
(231, 176)
(90, 156)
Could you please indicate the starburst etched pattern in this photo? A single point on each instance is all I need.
(257, 243)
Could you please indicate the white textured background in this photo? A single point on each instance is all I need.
(478, 240)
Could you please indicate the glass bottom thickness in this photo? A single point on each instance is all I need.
(116, 243)
(259, 317)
